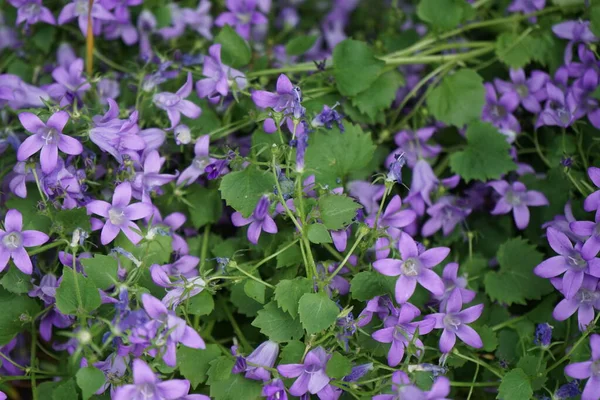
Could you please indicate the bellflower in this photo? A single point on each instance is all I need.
(13, 240)
(259, 220)
(529, 91)
(120, 214)
(286, 100)
(32, 11)
(175, 104)
(146, 25)
(453, 283)
(174, 222)
(574, 32)
(181, 290)
(587, 62)
(568, 390)
(589, 370)
(415, 146)
(393, 219)
(414, 267)
(527, 7)
(367, 194)
(584, 301)
(569, 261)
(17, 94)
(424, 182)
(48, 138)
(80, 9)
(403, 388)
(560, 109)
(499, 112)
(263, 356)
(328, 117)
(311, 375)
(562, 224)
(198, 166)
(150, 179)
(146, 385)
(543, 335)
(70, 85)
(121, 27)
(242, 15)
(199, 19)
(445, 214)
(402, 333)
(114, 368)
(108, 89)
(454, 322)
(274, 390)
(516, 198)
(592, 202)
(219, 77)
(591, 231)
(380, 305)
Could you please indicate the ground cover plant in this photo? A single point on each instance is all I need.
(285, 199)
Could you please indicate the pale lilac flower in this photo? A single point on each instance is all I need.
(150, 179)
(414, 267)
(589, 370)
(173, 221)
(70, 85)
(403, 388)
(445, 214)
(120, 215)
(79, 9)
(181, 290)
(32, 11)
(516, 198)
(146, 25)
(574, 32)
(17, 94)
(199, 19)
(367, 194)
(380, 305)
(219, 77)
(562, 224)
(500, 111)
(242, 15)
(254, 365)
(121, 27)
(527, 7)
(454, 322)
(48, 138)
(198, 166)
(274, 390)
(259, 220)
(393, 219)
(592, 202)
(175, 104)
(529, 91)
(424, 182)
(569, 261)
(114, 368)
(108, 89)
(584, 301)
(415, 146)
(146, 385)
(311, 375)
(560, 109)
(453, 283)
(13, 240)
(286, 100)
(402, 333)
(177, 27)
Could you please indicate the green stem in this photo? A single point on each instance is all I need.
(252, 276)
(34, 389)
(479, 362)
(438, 58)
(235, 326)
(508, 322)
(348, 255)
(575, 346)
(44, 248)
(303, 67)
(474, 384)
(272, 256)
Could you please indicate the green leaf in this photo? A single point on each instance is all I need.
(72, 219)
(278, 325)
(318, 233)
(194, 363)
(379, 95)
(443, 14)
(534, 369)
(595, 19)
(243, 189)
(289, 292)
(317, 312)
(300, 45)
(488, 337)
(89, 380)
(517, 52)
(332, 156)
(163, 16)
(205, 206)
(32, 218)
(337, 211)
(255, 290)
(458, 99)
(368, 284)
(101, 270)
(201, 304)
(338, 366)
(235, 388)
(17, 311)
(355, 67)
(220, 369)
(515, 386)
(44, 37)
(290, 257)
(292, 352)
(235, 51)
(15, 281)
(242, 302)
(515, 281)
(66, 390)
(73, 290)
(485, 156)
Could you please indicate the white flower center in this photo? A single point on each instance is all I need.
(411, 267)
(116, 215)
(12, 241)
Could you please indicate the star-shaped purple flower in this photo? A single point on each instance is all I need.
(259, 220)
(516, 198)
(13, 240)
(32, 11)
(175, 104)
(242, 15)
(219, 77)
(311, 374)
(198, 166)
(589, 370)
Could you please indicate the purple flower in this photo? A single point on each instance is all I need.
(584, 301)
(13, 240)
(200, 19)
(114, 368)
(259, 220)
(17, 94)
(526, 6)
(121, 27)
(414, 267)
(454, 322)
(543, 335)
(108, 89)
(182, 289)
(405, 389)
(500, 111)
(146, 385)
(367, 194)
(424, 182)
(402, 333)
(241, 15)
(395, 169)
(587, 62)
(32, 11)
(358, 372)
(198, 166)
(120, 214)
(219, 77)
(562, 222)
(568, 390)
(448, 212)
(560, 108)
(311, 374)
(591, 231)
(177, 26)
(286, 100)
(393, 219)
(453, 283)
(48, 138)
(254, 365)
(274, 390)
(415, 146)
(588, 369)
(150, 179)
(146, 25)
(175, 104)
(574, 32)
(592, 202)
(529, 91)
(79, 9)
(328, 117)
(70, 84)
(569, 261)
(173, 221)
(517, 198)
(380, 305)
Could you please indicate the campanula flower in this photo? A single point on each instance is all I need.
(589, 370)
(254, 365)
(500, 111)
(311, 375)
(560, 108)
(543, 335)
(70, 84)
(175, 104)
(574, 32)
(584, 301)
(80, 9)
(415, 145)
(445, 214)
(529, 91)
(453, 283)
(242, 15)
(199, 19)
(198, 166)
(274, 390)
(13, 240)
(592, 202)
(32, 11)
(17, 94)
(516, 198)
(259, 220)
(219, 77)
(287, 100)
(150, 179)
